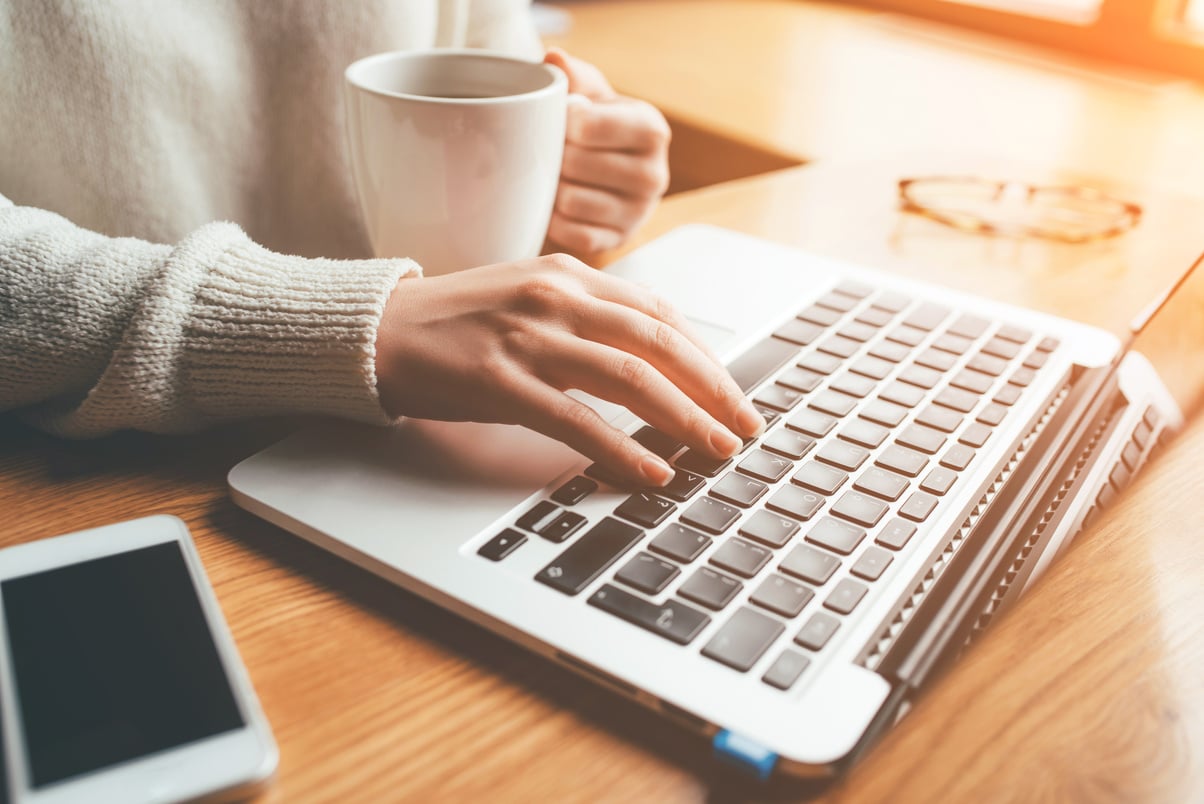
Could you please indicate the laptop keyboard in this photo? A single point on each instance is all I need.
(875, 405)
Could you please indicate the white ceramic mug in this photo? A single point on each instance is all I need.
(456, 154)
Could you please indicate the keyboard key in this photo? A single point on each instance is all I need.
(818, 477)
(939, 480)
(875, 317)
(837, 301)
(928, 316)
(992, 414)
(765, 466)
(902, 460)
(502, 545)
(710, 588)
(781, 596)
(710, 515)
(760, 361)
(788, 443)
(908, 336)
(778, 397)
(883, 412)
(939, 418)
(604, 475)
(972, 381)
(854, 385)
(1048, 344)
(700, 464)
(672, 619)
(768, 414)
(738, 490)
(1001, 348)
(833, 402)
(839, 537)
(1036, 360)
(682, 487)
(969, 326)
(924, 439)
(820, 363)
(820, 315)
(890, 300)
(1014, 333)
(540, 516)
(811, 422)
(1022, 377)
(589, 556)
(918, 506)
(873, 367)
(680, 543)
(896, 534)
(743, 639)
(987, 364)
(936, 360)
(841, 347)
(562, 527)
(890, 351)
(647, 573)
(800, 379)
(741, 557)
(953, 344)
(864, 433)
(857, 331)
(845, 597)
(975, 435)
(920, 377)
(800, 332)
(957, 399)
(902, 394)
(1008, 394)
(843, 456)
(796, 502)
(574, 491)
(657, 442)
(644, 509)
(859, 508)
(813, 566)
(785, 670)
(872, 563)
(958, 457)
(857, 290)
(769, 528)
(818, 630)
(881, 483)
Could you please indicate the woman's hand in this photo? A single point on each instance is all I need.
(502, 343)
(616, 163)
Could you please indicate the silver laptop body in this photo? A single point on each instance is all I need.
(788, 621)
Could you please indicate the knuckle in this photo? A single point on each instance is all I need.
(664, 337)
(561, 263)
(576, 416)
(633, 372)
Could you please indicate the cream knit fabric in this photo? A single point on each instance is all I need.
(128, 125)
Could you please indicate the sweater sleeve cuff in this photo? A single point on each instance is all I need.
(271, 334)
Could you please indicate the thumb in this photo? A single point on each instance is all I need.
(584, 78)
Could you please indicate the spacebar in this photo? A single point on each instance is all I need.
(589, 556)
(750, 368)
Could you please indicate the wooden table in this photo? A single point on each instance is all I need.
(1090, 689)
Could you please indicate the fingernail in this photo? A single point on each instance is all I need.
(656, 471)
(749, 420)
(724, 442)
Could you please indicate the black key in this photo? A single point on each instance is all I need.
(657, 442)
(882, 412)
(785, 670)
(800, 379)
(589, 556)
(604, 475)
(710, 515)
(709, 588)
(837, 536)
(647, 573)
(562, 527)
(814, 566)
(682, 487)
(540, 516)
(987, 364)
(1008, 394)
(738, 490)
(857, 331)
(680, 543)
(1003, 349)
(902, 460)
(992, 414)
(841, 347)
(957, 399)
(1013, 333)
(788, 443)
(796, 502)
(1048, 344)
(902, 394)
(1022, 377)
(958, 457)
(969, 326)
(742, 639)
(821, 478)
(854, 385)
(855, 289)
(890, 300)
(574, 491)
(811, 422)
(778, 397)
(699, 464)
(896, 534)
(818, 630)
(859, 508)
(920, 377)
(928, 316)
(908, 336)
(502, 545)
(845, 597)
(873, 367)
(757, 364)
(781, 596)
(953, 344)
(833, 402)
(820, 363)
(800, 332)
(924, 439)
(890, 351)
(881, 483)
(769, 528)
(939, 480)
(936, 360)
(843, 456)
(918, 506)
(875, 317)
(765, 465)
(741, 557)
(872, 563)
(863, 433)
(974, 381)
(837, 301)
(645, 509)
(672, 619)
(820, 315)
(939, 418)
(975, 435)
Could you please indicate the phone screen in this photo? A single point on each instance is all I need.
(113, 660)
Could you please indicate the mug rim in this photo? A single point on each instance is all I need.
(559, 80)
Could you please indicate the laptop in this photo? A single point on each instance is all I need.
(928, 453)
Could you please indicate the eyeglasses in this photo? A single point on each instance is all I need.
(1009, 209)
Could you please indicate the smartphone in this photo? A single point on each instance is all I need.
(119, 681)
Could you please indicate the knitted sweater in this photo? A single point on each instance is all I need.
(180, 241)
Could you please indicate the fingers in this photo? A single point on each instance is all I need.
(630, 126)
(581, 237)
(625, 173)
(584, 78)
